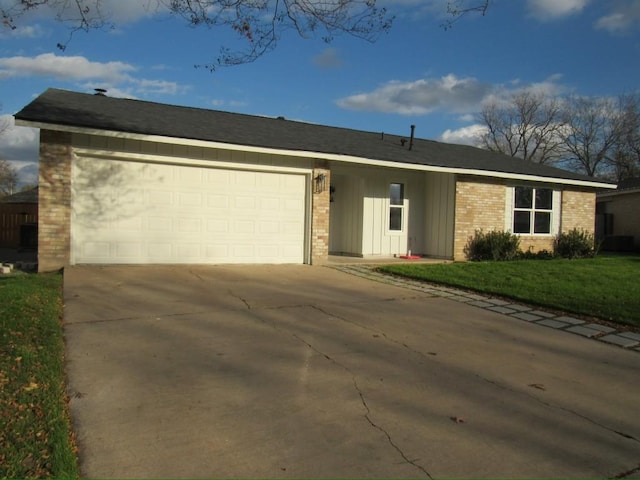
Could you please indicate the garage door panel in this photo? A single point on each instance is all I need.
(141, 213)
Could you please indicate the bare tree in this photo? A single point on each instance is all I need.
(595, 129)
(8, 178)
(526, 127)
(259, 23)
(625, 160)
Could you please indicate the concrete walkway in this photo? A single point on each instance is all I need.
(309, 372)
(598, 331)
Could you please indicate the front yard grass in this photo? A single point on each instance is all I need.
(606, 287)
(35, 433)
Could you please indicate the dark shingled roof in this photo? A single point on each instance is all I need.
(64, 108)
(26, 196)
(629, 184)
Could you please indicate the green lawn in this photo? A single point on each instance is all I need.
(35, 434)
(607, 286)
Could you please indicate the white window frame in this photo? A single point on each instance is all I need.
(402, 208)
(556, 208)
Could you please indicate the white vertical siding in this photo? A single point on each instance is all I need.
(439, 214)
(345, 231)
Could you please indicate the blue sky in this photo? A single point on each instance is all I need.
(419, 73)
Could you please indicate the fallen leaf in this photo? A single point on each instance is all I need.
(458, 419)
(32, 386)
(539, 386)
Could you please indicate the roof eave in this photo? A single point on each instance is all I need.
(312, 154)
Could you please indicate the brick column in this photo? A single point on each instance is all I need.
(320, 215)
(54, 216)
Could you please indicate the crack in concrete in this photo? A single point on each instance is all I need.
(626, 474)
(559, 407)
(243, 300)
(385, 433)
(367, 415)
(196, 275)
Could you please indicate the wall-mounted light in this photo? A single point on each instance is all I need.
(320, 183)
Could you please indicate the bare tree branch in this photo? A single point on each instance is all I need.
(460, 8)
(260, 24)
(595, 129)
(527, 127)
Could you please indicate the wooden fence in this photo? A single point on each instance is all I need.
(18, 225)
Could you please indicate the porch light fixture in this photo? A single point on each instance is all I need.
(320, 183)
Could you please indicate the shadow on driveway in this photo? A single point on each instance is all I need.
(298, 371)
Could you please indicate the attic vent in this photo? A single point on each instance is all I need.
(281, 118)
(101, 92)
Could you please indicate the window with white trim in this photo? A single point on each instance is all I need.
(396, 206)
(533, 211)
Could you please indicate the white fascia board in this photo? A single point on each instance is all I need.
(310, 154)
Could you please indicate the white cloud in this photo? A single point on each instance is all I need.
(126, 11)
(64, 68)
(117, 77)
(449, 94)
(624, 16)
(469, 135)
(18, 144)
(553, 9)
(550, 87)
(329, 58)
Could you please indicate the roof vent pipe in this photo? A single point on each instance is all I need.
(413, 131)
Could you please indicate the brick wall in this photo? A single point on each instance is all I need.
(482, 206)
(55, 200)
(320, 215)
(578, 211)
(478, 206)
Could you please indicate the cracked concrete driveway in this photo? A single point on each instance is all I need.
(297, 371)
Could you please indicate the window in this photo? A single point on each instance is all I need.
(532, 212)
(396, 206)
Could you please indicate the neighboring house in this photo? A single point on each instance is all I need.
(618, 216)
(134, 182)
(19, 220)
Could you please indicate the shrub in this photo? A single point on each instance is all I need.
(494, 245)
(575, 244)
(539, 255)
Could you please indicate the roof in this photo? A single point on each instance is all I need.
(60, 108)
(629, 185)
(26, 196)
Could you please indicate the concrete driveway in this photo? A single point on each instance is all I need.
(298, 371)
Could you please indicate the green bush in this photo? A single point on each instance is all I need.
(494, 245)
(575, 244)
(539, 255)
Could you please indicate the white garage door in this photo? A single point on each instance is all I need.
(135, 213)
